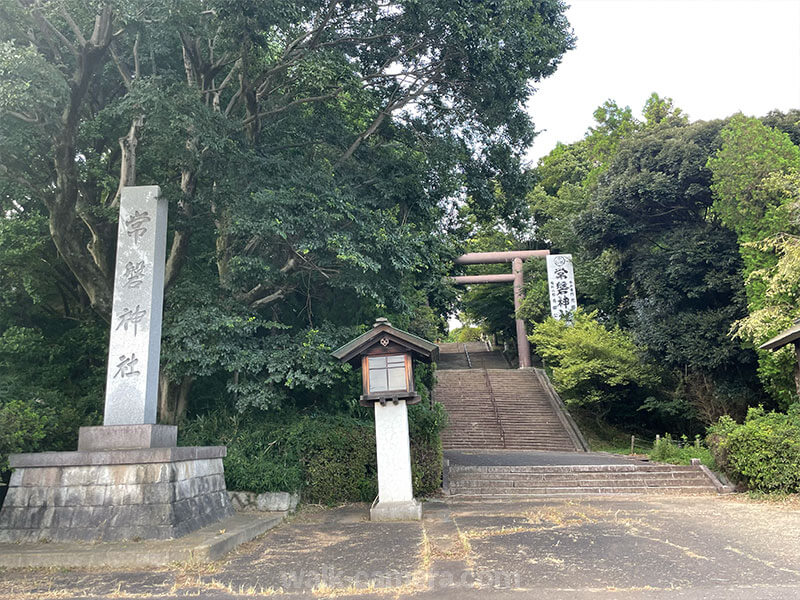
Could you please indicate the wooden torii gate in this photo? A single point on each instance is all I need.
(515, 258)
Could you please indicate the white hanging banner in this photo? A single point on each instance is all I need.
(561, 281)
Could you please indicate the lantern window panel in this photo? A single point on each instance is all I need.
(387, 373)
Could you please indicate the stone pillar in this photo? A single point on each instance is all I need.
(523, 346)
(128, 478)
(395, 494)
(135, 344)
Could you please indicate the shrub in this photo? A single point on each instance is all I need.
(667, 450)
(717, 441)
(763, 452)
(328, 458)
(425, 424)
(22, 426)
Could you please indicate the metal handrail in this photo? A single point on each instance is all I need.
(466, 353)
(494, 406)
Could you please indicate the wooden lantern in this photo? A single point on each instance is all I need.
(386, 356)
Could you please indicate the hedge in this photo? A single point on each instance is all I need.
(763, 452)
(327, 458)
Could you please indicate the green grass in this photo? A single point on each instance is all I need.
(603, 437)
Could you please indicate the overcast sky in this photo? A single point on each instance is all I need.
(713, 57)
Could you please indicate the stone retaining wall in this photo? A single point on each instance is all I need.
(155, 500)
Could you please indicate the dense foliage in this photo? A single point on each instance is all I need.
(763, 452)
(681, 452)
(596, 369)
(684, 240)
(328, 458)
(311, 154)
(323, 164)
(683, 235)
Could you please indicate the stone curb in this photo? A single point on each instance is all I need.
(204, 545)
(719, 485)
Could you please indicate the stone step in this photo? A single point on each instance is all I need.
(646, 467)
(535, 480)
(512, 405)
(518, 493)
(499, 488)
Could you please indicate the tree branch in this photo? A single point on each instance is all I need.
(74, 26)
(127, 167)
(127, 78)
(294, 103)
(46, 26)
(22, 116)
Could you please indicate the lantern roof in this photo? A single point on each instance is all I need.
(422, 349)
(787, 336)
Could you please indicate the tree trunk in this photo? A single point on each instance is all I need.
(173, 398)
(90, 262)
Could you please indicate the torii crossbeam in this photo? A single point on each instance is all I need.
(515, 258)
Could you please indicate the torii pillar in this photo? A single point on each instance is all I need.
(515, 258)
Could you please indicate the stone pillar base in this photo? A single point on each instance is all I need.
(146, 493)
(410, 510)
(127, 437)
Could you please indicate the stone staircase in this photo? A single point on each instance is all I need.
(498, 482)
(500, 420)
(494, 407)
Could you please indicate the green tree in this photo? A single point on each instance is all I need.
(658, 110)
(308, 150)
(679, 266)
(756, 174)
(596, 369)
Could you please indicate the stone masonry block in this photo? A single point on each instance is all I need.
(148, 514)
(152, 473)
(101, 516)
(62, 517)
(205, 467)
(46, 518)
(216, 482)
(242, 500)
(119, 437)
(91, 501)
(186, 470)
(10, 519)
(185, 488)
(16, 496)
(123, 494)
(75, 476)
(16, 478)
(158, 493)
(95, 495)
(276, 501)
(74, 496)
(38, 476)
(36, 496)
(82, 517)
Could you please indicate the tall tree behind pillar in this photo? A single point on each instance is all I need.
(308, 152)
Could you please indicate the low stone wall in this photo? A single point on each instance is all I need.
(165, 493)
(268, 502)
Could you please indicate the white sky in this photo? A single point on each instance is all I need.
(712, 57)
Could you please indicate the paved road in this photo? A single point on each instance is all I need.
(612, 548)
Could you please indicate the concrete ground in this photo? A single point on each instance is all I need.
(618, 547)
